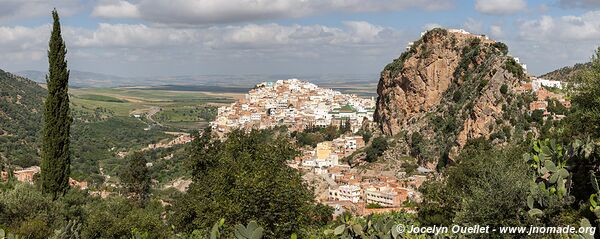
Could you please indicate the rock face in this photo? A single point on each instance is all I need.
(448, 88)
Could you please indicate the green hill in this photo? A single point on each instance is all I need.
(21, 113)
(567, 72)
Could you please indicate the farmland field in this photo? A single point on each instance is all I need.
(173, 109)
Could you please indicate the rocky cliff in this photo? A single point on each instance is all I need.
(447, 88)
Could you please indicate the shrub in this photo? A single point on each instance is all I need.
(504, 89)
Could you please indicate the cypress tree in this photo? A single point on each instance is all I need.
(56, 160)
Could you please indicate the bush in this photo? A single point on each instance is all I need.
(246, 178)
(482, 173)
(504, 89)
(501, 47)
(376, 149)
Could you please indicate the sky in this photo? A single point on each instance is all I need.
(234, 37)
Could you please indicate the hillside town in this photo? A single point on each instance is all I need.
(545, 90)
(295, 104)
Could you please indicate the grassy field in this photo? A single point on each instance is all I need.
(177, 110)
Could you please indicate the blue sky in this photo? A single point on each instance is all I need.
(196, 37)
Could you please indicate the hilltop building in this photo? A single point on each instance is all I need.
(295, 104)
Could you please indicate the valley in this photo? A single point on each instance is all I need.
(454, 121)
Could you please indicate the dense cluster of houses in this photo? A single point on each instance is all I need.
(351, 191)
(357, 193)
(540, 88)
(328, 153)
(295, 104)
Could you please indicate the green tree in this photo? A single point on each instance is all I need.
(378, 146)
(246, 178)
(56, 159)
(585, 90)
(487, 186)
(136, 178)
(504, 89)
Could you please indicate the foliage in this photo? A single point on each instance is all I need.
(366, 135)
(514, 68)
(56, 152)
(373, 205)
(567, 73)
(585, 119)
(501, 47)
(314, 135)
(21, 107)
(376, 149)
(115, 217)
(252, 231)
(537, 116)
(482, 172)
(369, 227)
(136, 178)
(26, 211)
(504, 89)
(563, 181)
(97, 143)
(4, 235)
(246, 178)
(70, 231)
(554, 106)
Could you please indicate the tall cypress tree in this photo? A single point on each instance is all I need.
(56, 160)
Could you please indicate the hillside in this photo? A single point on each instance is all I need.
(566, 73)
(21, 110)
(448, 88)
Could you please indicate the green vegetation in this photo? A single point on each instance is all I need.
(21, 107)
(373, 206)
(186, 117)
(514, 68)
(246, 178)
(101, 98)
(567, 73)
(376, 149)
(96, 144)
(314, 135)
(56, 151)
(553, 183)
(136, 178)
(504, 89)
(585, 117)
(501, 47)
(482, 173)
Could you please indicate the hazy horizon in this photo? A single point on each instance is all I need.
(156, 38)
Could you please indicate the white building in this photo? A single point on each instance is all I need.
(350, 193)
(537, 83)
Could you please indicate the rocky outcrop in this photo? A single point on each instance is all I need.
(450, 87)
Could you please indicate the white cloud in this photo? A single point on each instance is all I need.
(580, 3)
(116, 9)
(193, 12)
(496, 31)
(473, 25)
(130, 36)
(566, 28)
(430, 26)
(500, 7)
(24, 43)
(354, 46)
(23, 9)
